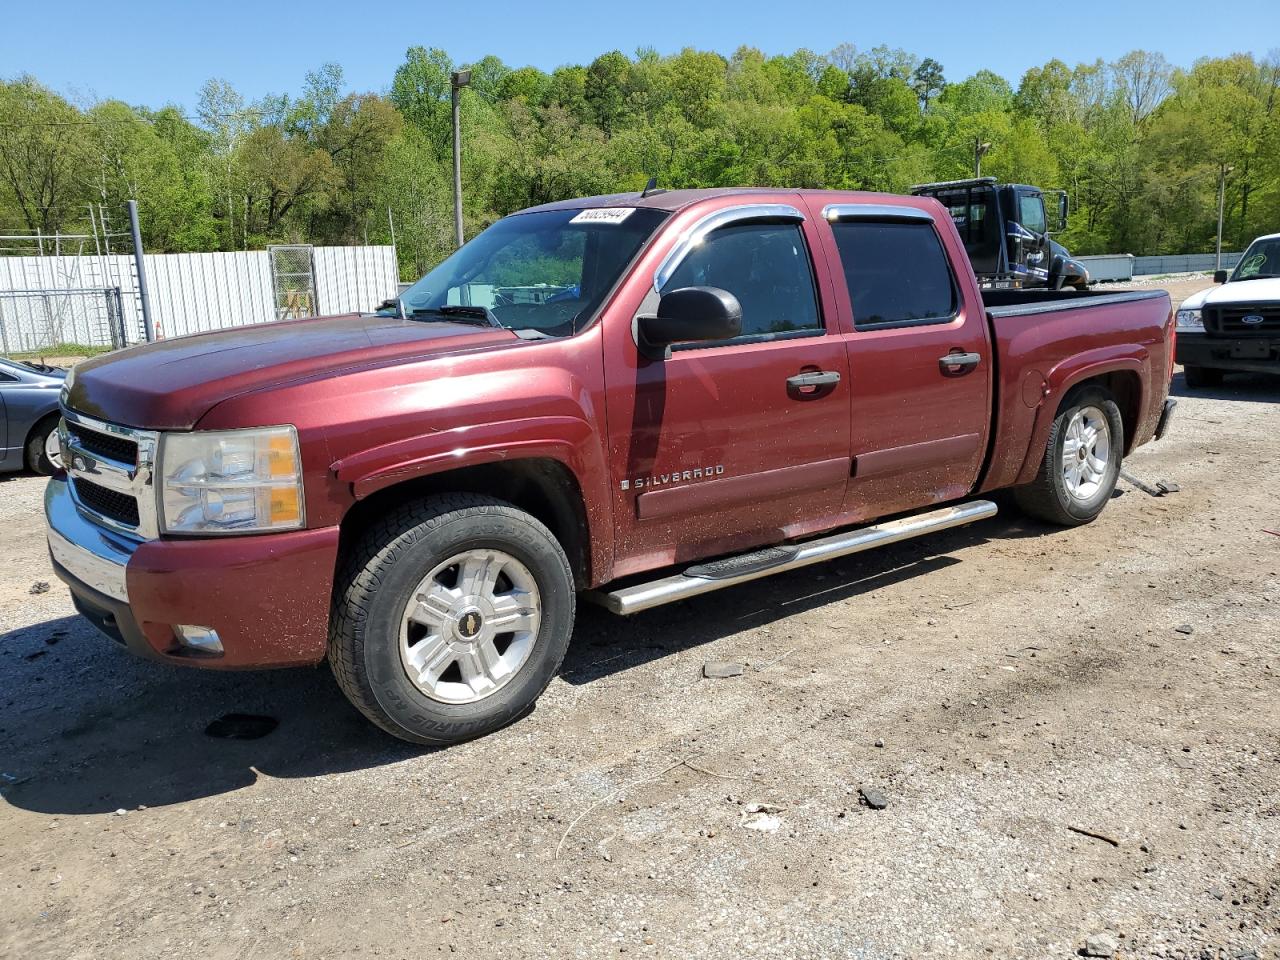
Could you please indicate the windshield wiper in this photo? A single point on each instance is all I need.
(1259, 276)
(461, 313)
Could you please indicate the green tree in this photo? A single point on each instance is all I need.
(421, 91)
(44, 155)
(927, 81)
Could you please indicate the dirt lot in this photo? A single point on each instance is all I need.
(1001, 685)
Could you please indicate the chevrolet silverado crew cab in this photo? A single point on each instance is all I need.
(641, 398)
(1234, 327)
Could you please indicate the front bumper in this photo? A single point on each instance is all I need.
(1246, 355)
(266, 596)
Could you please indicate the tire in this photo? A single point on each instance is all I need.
(37, 453)
(1053, 495)
(471, 677)
(1200, 378)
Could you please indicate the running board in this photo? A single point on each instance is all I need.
(762, 563)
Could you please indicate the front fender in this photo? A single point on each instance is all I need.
(568, 440)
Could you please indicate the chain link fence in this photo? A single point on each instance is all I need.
(293, 279)
(36, 320)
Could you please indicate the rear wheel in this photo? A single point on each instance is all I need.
(1199, 378)
(1081, 460)
(451, 617)
(43, 454)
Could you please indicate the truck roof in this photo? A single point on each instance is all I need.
(954, 184)
(944, 185)
(672, 200)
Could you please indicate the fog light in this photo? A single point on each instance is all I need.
(204, 639)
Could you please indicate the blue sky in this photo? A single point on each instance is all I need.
(151, 52)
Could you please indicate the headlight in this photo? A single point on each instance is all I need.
(236, 481)
(1190, 320)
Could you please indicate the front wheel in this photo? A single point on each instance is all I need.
(43, 453)
(1081, 461)
(450, 618)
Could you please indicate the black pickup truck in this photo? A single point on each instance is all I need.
(1006, 230)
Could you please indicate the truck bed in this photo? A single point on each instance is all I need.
(1019, 303)
(1045, 341)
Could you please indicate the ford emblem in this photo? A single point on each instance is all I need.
(1252, 319)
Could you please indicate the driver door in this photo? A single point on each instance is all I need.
(723, 447)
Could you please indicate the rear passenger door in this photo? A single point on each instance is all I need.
(920, 360)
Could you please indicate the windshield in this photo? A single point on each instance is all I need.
(539, 273)
(1031, 212)
(25, 365)
(1262, 259)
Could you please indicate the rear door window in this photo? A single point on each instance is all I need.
(970, 220)
(898, 273)
(766, 266)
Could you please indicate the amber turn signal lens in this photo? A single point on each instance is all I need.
(284, 506)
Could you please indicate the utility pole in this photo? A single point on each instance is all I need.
(979, 151)
(457, 80)
(1223, 170)
(144, 295)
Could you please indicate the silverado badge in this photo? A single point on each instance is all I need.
(677, 476)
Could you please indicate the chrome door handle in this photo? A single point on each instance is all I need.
(820, 378)
(812, 385)
(959, 362)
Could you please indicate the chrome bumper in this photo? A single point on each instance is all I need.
(95, 557)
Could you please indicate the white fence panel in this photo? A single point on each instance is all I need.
(198, 292)
(190, 292)
(354, 279)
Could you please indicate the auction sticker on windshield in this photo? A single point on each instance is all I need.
(606, 215)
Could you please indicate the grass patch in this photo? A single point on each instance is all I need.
(62, 350)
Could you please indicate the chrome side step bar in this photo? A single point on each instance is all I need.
(681, 586)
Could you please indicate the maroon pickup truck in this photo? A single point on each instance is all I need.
(641, 398)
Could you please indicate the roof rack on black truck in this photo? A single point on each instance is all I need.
(1006, 232)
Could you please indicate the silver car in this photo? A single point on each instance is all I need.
(29, 416)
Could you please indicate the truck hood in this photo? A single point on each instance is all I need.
(171, 384)
(1238, 291)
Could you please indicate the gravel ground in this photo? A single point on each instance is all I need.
(1077, 733)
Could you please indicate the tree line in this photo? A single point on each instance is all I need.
(1139, 144)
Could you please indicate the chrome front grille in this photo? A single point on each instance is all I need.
(119, 507)
(108, 445)
(110, 468)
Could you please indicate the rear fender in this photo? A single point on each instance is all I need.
(1075, 370)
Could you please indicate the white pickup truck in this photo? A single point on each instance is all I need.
(1235, 326)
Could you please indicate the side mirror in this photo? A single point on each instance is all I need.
(1062, 211)
(687, 315)
(1220, 276)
